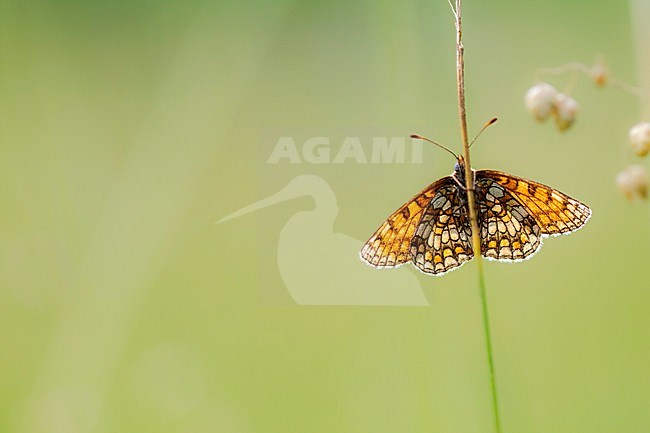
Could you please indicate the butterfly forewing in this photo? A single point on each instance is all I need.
(555, 212)
(389, 245)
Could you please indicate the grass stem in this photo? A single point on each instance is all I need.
(469, 183)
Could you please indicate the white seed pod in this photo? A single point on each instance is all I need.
(599, 72)
(633, 182)
(640, 138)
(539, 100)
(565, 110)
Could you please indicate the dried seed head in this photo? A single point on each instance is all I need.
(599, 72)
(565, 110)
(539, 100)
(633, 182)
(640, 138)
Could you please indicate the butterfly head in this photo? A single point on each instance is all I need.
(459, 169)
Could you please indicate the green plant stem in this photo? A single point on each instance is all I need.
(488, 348)
(469, 184)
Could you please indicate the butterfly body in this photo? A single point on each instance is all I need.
(459, 173)
(433, 230)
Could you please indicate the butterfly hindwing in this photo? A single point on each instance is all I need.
(443, 239)
(508, 230)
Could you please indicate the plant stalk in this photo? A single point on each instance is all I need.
(469, 184)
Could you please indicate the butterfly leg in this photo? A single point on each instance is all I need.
(460, 184)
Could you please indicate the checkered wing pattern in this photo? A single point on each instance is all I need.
(433, 230)
(390, 245)
(443, 239)
(555, 212)
(508, 230)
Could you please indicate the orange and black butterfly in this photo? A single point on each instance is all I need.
(433, 231)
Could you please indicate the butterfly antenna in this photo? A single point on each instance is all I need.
(419, 137)
(493, 120)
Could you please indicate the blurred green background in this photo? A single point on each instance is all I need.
(129, 127)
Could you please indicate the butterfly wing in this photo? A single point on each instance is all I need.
(443, 239)
(515, 214)
(433, 231)
(508, 230)
(389, 245)
(555, 212)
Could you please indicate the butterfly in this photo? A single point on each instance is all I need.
(433, 230)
